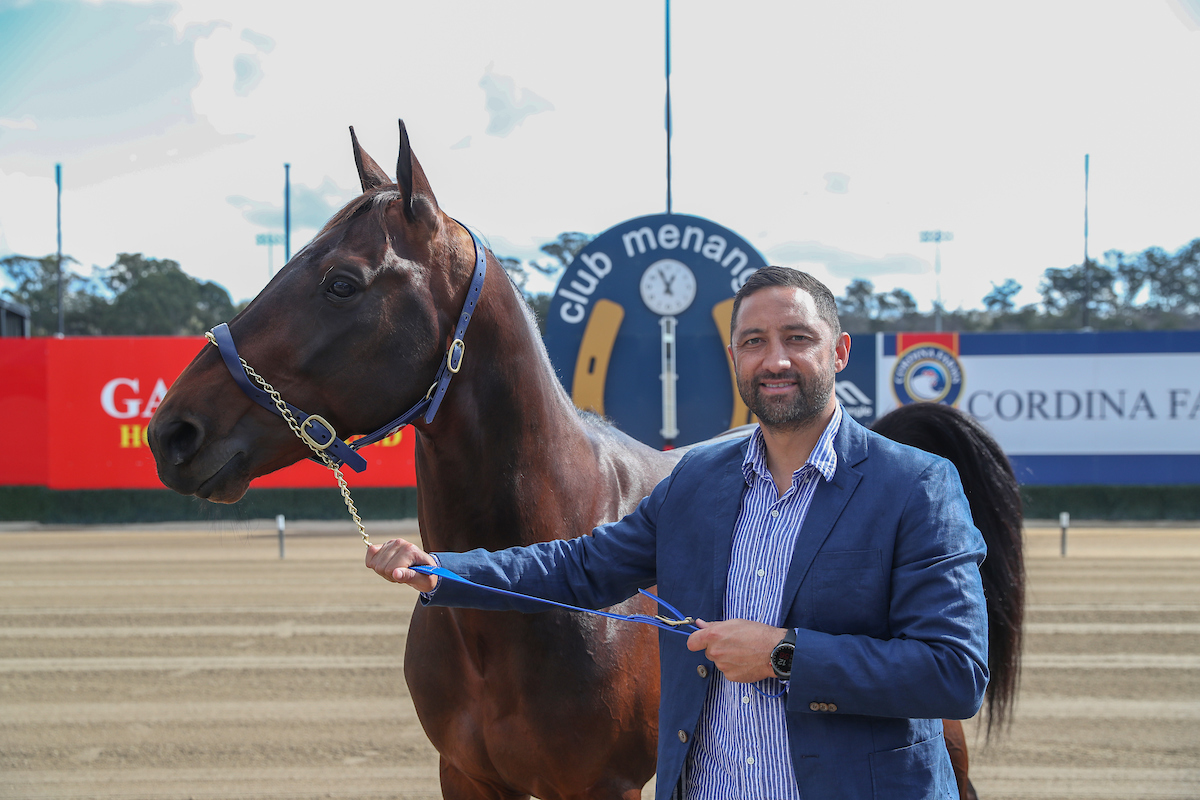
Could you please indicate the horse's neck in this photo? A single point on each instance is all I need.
(503, 462)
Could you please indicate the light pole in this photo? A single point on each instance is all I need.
(287, 213)
(937, 237)
(270, 240)
(58, 262)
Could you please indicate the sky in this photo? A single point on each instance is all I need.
(828, 134)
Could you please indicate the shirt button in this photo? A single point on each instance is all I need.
(683, 736)
(775, 512)
(745, 699)
(702, 671)
(762, 572)
(750, 760)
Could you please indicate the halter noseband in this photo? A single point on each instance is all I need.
(319, 434)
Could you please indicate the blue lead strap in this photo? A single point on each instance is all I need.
(680, 624)
(676, 625)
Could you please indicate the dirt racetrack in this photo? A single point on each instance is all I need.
(175, 662)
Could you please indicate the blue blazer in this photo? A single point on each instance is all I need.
(883, 586)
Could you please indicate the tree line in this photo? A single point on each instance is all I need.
(135, 296)
(1150, 290)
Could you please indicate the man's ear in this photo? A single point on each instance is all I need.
(842, 352)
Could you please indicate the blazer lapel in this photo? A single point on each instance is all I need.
(828, 503)
(727, 502)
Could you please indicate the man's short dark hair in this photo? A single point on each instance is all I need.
(767, 277)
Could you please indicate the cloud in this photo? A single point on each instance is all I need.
(94, 84)
(25, 123)
(847, 265)
(837, 182)
(1188, 12)
(461, 144)
(310, 207)
(505, 110)
(261, 41)
(247, 72)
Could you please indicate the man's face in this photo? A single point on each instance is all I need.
(786, 357)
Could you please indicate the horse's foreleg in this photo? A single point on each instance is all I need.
(457, 785)
(956, 744)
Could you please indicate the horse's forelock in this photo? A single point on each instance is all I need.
(374, 202)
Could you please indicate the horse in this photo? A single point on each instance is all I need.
(995, 499)
(356, 325)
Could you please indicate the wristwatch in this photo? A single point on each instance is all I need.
(781, 656)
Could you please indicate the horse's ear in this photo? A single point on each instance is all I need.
(370, 174)
(418, 196)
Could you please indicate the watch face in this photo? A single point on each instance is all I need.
(781, 659)
(668, 287)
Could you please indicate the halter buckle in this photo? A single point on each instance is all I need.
(309, 440)
(452, 364)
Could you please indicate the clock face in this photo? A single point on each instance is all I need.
(668, 287)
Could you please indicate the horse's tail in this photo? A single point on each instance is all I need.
(995, 498)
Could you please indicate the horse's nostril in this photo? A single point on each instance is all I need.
(180, 440)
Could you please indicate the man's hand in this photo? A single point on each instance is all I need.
(393, 559)
(741, 649)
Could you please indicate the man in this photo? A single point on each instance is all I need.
(840, 569)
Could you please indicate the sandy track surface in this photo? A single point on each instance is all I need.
(176, 662)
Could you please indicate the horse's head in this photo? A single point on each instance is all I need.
(352, 328)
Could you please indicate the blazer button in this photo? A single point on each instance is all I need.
(833, 707)
(814, 706)
(702, 671)
(683, 736)
(823, 706)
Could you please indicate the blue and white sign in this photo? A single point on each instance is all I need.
(638, 326)
(1068, 408)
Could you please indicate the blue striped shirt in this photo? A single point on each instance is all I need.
(741, 745)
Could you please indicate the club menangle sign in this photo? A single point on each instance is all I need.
(638, 325)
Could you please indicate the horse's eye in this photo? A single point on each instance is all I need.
(342, 289)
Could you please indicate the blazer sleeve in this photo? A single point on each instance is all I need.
(593, 571)
(934, 662)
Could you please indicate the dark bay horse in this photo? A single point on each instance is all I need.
(354, 328)
(995, 499)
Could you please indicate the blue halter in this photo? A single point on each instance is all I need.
(318, 433)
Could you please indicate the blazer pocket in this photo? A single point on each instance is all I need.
(912, 771)
(849, 594)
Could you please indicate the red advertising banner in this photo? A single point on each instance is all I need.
(81, 406)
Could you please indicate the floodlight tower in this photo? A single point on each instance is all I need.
(937, 237)
(270, 240)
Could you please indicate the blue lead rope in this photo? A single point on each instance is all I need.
(676, 625)
(680, 624)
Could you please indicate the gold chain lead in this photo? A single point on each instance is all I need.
(286, 413)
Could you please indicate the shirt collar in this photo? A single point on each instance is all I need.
(823, 457)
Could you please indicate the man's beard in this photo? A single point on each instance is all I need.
(787, 413)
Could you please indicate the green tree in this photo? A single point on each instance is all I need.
(135, 296)
(35, 284)
(563, 250)
(154, 297)
(1000, 299)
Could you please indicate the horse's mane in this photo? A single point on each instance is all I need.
(995, 499)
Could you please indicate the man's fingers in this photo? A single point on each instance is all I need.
(392, 560)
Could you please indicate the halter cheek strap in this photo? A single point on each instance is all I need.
(319, 434)
(312, 427)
